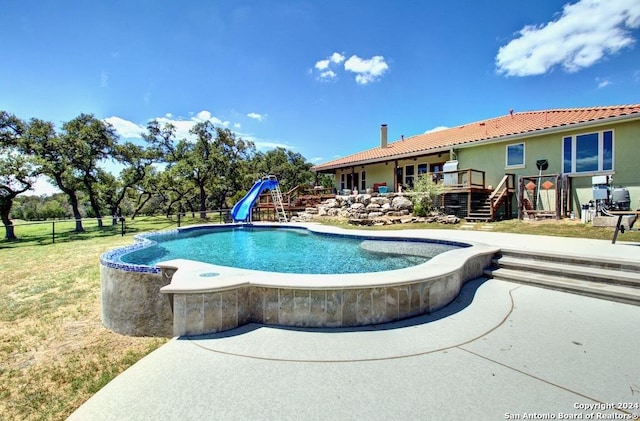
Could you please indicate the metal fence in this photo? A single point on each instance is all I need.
(50, 231)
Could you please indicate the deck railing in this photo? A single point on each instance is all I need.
(502, 193)
(461, 179)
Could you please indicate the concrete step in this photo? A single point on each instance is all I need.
(569, 259)
(619, 293)
(605, 278)
(589, 272)
(477, 219)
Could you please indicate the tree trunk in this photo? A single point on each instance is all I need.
(94, 203)
(114, 215)
(76, 213)
(8, 226)
(141, 204)
(5, 211)
(203, 202)
(73, 200)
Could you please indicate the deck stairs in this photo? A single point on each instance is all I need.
(607, 279)
(484, 207)
(278, 205)
(480, 210)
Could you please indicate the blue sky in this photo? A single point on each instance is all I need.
(316, 77)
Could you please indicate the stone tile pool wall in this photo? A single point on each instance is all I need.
(202, 312)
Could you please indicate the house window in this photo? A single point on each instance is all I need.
(363, 181)
(408, 175)
(436, 171)
(515, 155)
(588, 153)
(422, 169)
(352, 181)
(342, 186)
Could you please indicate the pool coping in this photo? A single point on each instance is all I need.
(229, 277)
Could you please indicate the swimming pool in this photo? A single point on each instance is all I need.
(175, 296)
(286, 250)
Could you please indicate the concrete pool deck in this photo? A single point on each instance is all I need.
(501, 350)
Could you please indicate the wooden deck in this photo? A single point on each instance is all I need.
(465, 195)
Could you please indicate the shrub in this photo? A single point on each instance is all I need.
(424, 191)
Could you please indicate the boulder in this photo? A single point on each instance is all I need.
(331, 203)
(379, 200)
(363, 198)
(401, 203)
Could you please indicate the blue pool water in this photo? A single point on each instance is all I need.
(286, 250)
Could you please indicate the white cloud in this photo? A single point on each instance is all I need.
(126, 128)
(336, 58)
(329, 74)
(266, 145)
(603, 82)
(436, 129)
(367, 70)
(204, 115)
(42, 187)
(583, 34)
(256, 116)
(324, 66)
(131, 130)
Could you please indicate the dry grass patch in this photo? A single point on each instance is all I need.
(54, 351)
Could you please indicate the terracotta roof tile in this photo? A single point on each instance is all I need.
(520, 123)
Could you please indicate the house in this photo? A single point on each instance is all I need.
(538, 161)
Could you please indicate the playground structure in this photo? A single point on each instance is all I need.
(265, 201)
(298, 199)
(242, 211)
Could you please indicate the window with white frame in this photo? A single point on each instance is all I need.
(363, 181)
(515, 155)
(342, 186)
(422, 169)
(588, 153)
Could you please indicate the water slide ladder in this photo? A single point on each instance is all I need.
(278, 206)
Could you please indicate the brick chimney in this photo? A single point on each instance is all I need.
(383, 136)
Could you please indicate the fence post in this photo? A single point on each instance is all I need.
(53, 231)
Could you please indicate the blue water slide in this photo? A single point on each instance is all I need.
(242, 210)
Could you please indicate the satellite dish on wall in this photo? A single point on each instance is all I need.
(542, 164)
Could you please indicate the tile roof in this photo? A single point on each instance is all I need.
(520, 123)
